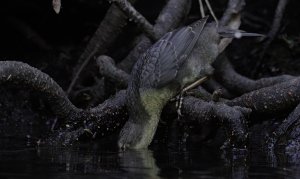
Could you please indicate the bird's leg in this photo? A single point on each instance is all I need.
(179, 100)
(179, 97)
(195, 84)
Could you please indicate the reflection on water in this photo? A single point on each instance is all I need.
(98, 161)
(141, 163)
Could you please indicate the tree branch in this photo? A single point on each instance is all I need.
(108, 69)
(104, 37)
(138, 18)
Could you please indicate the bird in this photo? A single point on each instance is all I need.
(176, 60)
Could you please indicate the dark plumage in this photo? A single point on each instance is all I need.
(179, 58)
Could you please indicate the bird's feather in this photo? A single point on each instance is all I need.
(163, 59)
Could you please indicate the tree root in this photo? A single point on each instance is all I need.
(225, 73)
(110, 115)
(271, 100)
(282, 129)
(232, 118)
(138, 18)
(103, 118)
(100, 121)
(104, 37)
(262, 100)
(108, 69)
(22, 75)
(212, 85)
(276, 24)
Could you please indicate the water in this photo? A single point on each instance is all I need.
(23, 160)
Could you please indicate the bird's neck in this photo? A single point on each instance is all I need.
(153, 100)
(145, 115)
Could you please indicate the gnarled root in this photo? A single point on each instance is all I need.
(232, 118)
(77, 120)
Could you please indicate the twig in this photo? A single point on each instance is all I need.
(195, 84)
(212, 12)
(201, 9)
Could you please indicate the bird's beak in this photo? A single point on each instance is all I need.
(230, 33)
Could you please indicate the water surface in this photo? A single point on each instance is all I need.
(25, 160)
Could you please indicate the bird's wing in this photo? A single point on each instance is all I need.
(164, 58)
